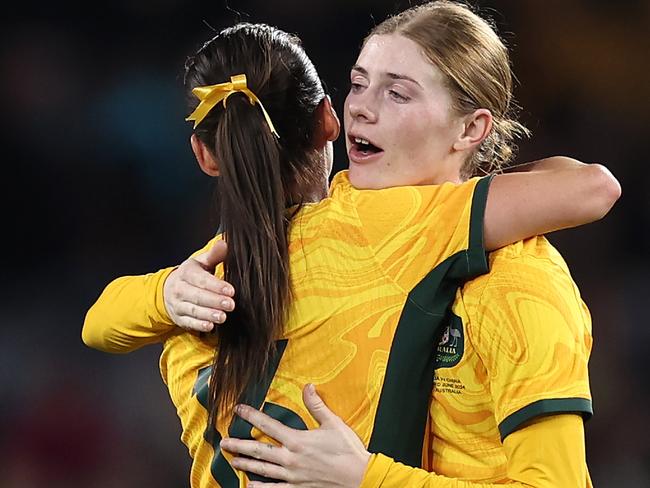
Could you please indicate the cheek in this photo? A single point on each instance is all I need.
(420, 131)
(423, 142)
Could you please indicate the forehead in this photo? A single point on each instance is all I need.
(394, 53)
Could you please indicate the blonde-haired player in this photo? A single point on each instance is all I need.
(348, 292)
(511, 387)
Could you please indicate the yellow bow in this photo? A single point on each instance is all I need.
(213, 94)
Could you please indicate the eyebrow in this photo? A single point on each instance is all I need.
(392, 76)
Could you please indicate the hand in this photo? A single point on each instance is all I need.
(330, 456)
(196, 299)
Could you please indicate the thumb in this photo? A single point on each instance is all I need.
(316, 405)
(213, 256)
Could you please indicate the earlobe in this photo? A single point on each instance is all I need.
(477, 127)
(204, 157)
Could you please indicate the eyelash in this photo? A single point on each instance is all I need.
(398, 96)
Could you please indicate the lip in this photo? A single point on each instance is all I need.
(363, 157)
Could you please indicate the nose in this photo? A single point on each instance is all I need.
(361, 106)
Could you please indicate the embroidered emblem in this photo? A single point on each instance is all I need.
(452, 344)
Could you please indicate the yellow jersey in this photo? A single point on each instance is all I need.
(513, 351)
(373, 274)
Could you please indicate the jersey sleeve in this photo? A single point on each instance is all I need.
(533, 334)
(411, 230)
(130, 312)
(560, 463)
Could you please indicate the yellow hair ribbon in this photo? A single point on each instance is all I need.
(213, 94)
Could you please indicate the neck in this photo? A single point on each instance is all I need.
(450, 169)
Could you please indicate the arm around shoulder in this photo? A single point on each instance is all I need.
(594, 183)
(547, 195)
(129, 314)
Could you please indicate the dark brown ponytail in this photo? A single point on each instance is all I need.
(254, 221)
(260, 176)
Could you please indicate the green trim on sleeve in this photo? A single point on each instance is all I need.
(474, 260)
(540, 408)
(476, 254)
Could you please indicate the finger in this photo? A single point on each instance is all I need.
(262, 468)
(188, 295)
(255, 449)
(213, 256)
(189, 323)
(192, 272)
(316, 405)
(195, 312)
(265, 424)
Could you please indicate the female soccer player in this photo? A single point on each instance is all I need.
(511, 385)
(348, 292)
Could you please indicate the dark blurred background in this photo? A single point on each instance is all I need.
(99, 181)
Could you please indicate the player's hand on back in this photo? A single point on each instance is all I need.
(195, 299)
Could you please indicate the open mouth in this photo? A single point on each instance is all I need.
(363, 146)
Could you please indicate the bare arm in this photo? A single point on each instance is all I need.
(547, 195)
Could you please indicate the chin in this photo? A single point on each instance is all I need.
(361, 180)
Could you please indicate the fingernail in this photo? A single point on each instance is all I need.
(311, 388)
(207, 326)
(238, 409)
(219, 317)
(227, 290)
(226, 304)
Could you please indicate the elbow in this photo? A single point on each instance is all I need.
(87, 338)
(89, 334)
(605, 190)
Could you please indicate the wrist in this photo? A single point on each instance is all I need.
(164, 308)
(361, 468)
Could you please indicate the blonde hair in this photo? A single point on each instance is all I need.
(476, 66)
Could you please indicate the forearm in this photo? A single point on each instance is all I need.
(550, 194)
(385, 473)
(547, 453)
(129, 314)
(587, 191)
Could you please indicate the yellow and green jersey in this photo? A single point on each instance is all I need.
(515, 348)
(373, 274)
(511, 373)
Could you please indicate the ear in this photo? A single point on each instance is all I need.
(476, 127)
(204, 157)
(327, 127)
